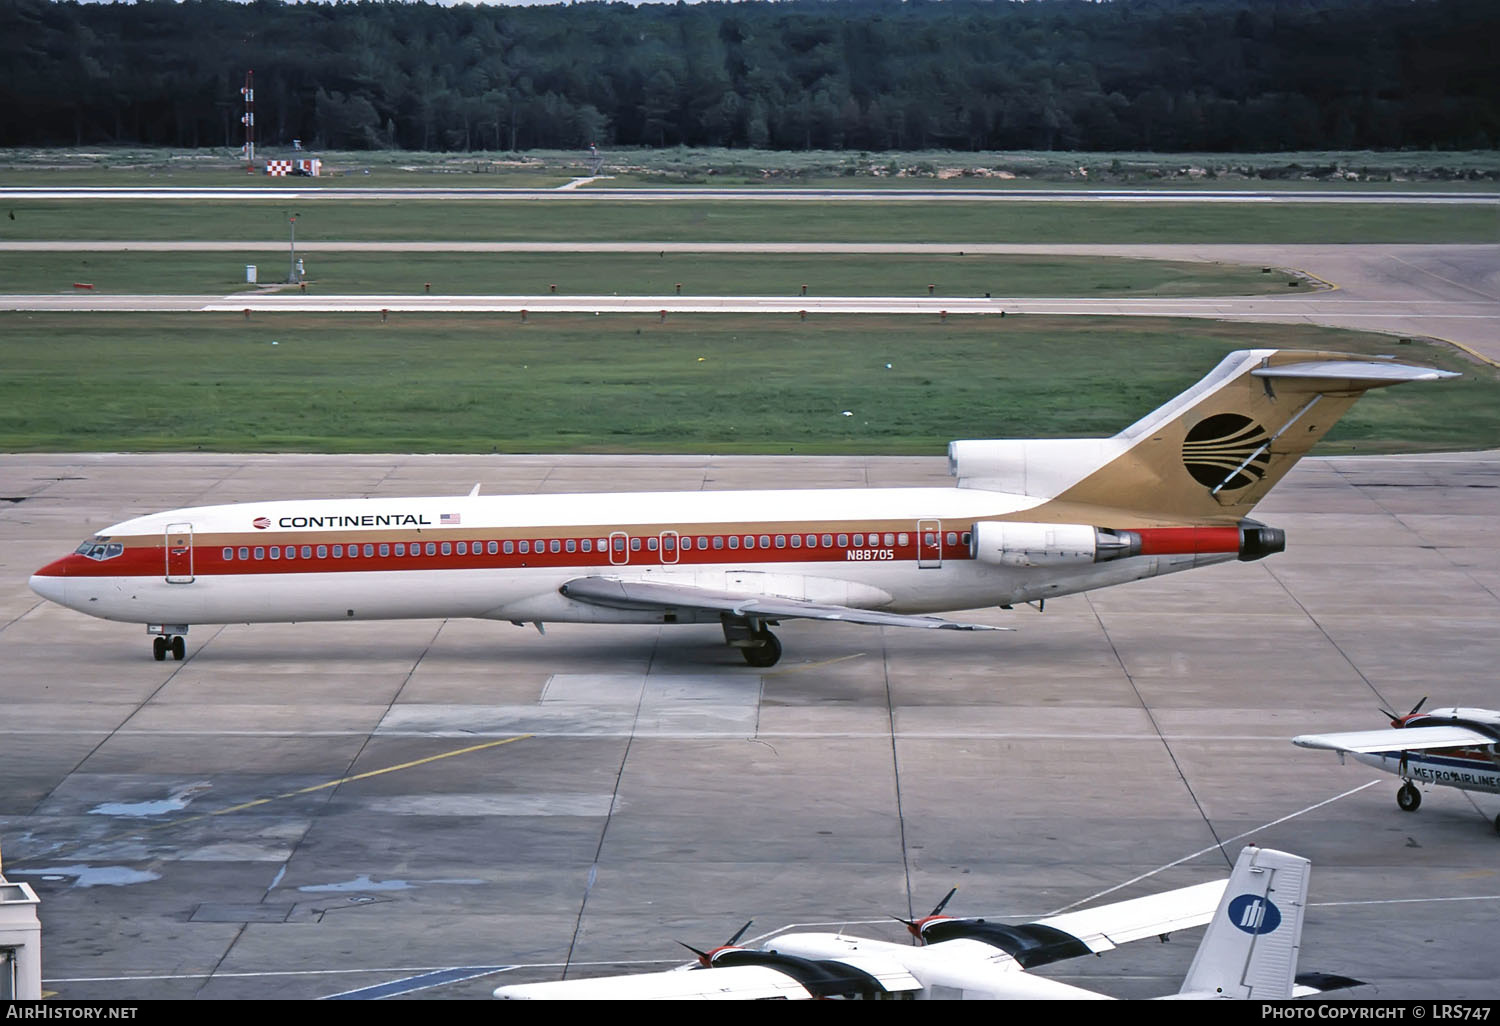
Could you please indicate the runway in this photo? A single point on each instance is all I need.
(431, 808)
(1450, 292)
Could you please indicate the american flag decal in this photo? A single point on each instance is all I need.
(448, 518)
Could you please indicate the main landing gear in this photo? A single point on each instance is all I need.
(757, 644)
(168, 639)
(1410, 799)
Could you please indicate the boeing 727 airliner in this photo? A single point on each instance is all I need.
(1025, 520)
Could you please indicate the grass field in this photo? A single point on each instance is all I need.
(1344, 170)
(601, 220)
(636, 274)
(726, 384)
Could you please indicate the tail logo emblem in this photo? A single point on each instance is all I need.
(1217, 446)
(1254, 914)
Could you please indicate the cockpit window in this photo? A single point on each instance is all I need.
(100, 548)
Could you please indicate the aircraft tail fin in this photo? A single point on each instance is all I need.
(1210, 454)
(1250, 948)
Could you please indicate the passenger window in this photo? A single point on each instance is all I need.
(765, 541)
(734, 541)
(307, 552)
(228, 555)
(952, 538)
(291, 552)
(555, 545)
(781, 541)
(401, 548)
(859, 540)
(463, 548)
(322, 552)
(338, 552)
(702, 543)
(828, 541)
(525, 546)
(447, 548)
(718, 541)
(890, 539)
(432, 548)
(260, 552)
(587, 544)
(619, 544)
(494, 548)
(385, 549)
(275, 551)
(903, 539)
(635, 545)
(572, 545)
(796, 541)
(749, 541)
(669, 543)
(843, 540)
(509, 547)
(966, 539)
(369, 551)
(651, 544)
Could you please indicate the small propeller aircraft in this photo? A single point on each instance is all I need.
(1455, 747)
(1249, 951)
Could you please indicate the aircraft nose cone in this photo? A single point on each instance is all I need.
(51, 582)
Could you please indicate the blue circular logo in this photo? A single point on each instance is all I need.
(1254, 914)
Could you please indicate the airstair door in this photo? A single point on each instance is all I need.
(179, 543)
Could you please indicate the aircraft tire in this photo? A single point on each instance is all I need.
(765, 652)
(179, 648)
(159, 648)
(1408, 798)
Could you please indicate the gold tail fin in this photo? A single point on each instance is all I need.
(1215, 451)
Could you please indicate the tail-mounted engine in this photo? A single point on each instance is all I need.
(1007, 543)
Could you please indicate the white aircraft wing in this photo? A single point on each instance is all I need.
(1395, 739)
(733, 983)
(1109, 926)
(621, 594)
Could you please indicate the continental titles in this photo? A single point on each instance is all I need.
(361, 520)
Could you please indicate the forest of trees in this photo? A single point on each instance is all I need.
(1145, 75)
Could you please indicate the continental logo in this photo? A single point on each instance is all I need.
(1217, 445)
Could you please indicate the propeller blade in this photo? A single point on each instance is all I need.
(702, 955)
(738, 934)
(944, 903)
(1420, 703)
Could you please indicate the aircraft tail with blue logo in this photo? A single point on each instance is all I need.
(1251, 946)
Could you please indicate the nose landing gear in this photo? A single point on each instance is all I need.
(168, 639)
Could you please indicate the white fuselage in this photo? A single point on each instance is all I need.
(505, 557)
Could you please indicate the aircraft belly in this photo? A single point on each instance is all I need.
(286, 598)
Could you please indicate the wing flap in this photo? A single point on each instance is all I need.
(1402, 739)
(616, 593)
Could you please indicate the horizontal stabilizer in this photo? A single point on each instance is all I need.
(1364, 373)
(651, 595)
(1402, 739)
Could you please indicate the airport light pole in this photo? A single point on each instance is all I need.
(292, 276)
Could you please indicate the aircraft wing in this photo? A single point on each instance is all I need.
(1109, 926)
(622, 594)
(759, 976)
(1395, 739)
(732, 983)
